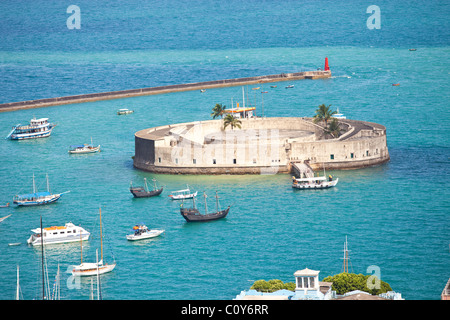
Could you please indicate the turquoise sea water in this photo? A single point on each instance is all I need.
(396, 216)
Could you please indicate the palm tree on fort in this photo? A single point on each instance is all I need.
(229, 120)
(334, 128)
(323, 113)
(218, 110)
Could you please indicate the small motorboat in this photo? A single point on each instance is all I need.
(4, 218)
(395, 84)
(412, 49)
(273, 86)
(314, 183)
(85, 148)
(183, 194)
(5, 206)
(289, 86)
(141, 231)
(124, 111)
(202, 90)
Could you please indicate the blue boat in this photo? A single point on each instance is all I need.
(37, 198)
(38, 128)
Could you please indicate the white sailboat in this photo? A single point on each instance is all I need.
(93, 268)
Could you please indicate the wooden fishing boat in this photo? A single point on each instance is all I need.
(144, 192)
(194, 215)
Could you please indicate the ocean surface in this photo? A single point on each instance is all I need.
(395, 216)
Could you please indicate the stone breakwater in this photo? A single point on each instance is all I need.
(12, 106)
(261, 146)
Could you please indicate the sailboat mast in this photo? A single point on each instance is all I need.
(34, 185)
(18, 286)
(217, 202)
(101, 236)
(206, 208)
(48, 185)
(42, 258)
(145, 184)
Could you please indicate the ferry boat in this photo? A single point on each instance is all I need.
(124, 111)
(37, 198)
(38, 128)
(58, 234)
(141, 232)
(314, 183)
(182, 194)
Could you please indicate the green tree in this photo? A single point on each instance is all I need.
(218, 110)
(345, 282)
(334, 128)
(272, 285)
(229, 120)
(323, 113)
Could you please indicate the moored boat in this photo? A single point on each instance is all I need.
(4, 218)
(58, 234)
(314, 183)
(289, 86)
(37, 198)
(93, 268)
(84, 148)
(194, 215)
(124, 111)
(183, 194)
(144, 192)
(38, 128)
(338, 115)
(141, 231)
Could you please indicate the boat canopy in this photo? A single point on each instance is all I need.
(310, 179)
(181, 191)
(33, 195)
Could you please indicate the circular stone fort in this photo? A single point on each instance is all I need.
(260, 146)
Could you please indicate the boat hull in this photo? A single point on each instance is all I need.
(193, 215)
(36, 241)
(31, 135)
(90, 269)
(39, 201)
(323, 185)
(148, 235)
(183, 197)
(139, 192)
(85, 151)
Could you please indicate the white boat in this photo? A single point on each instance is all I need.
(58, 234)
(4, 218)
(124, 111)
(141, 232)
(289, 86)
(182, 194)
(84, 148)
(38, 128)
(37, 198)
(339, 115)
(314, 183)
(93, 268)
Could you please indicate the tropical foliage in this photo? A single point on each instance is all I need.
(346, 282)
(229, 120)
(272, 285)
(323, 113)
(218, 110)
(334, 128)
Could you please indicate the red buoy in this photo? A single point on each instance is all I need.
(327, 68)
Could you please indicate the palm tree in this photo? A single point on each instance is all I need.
(323, 113)
(218, 110)
(334, 128)
(232, 121)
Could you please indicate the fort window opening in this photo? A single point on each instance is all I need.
(332, 156)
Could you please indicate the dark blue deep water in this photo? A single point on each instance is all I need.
(396, 216)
